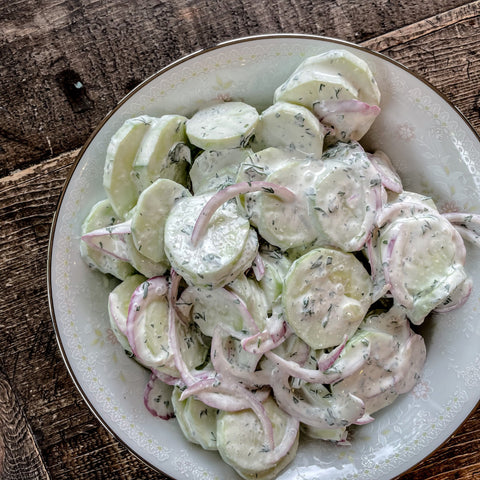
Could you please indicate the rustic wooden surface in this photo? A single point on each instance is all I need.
(63, 65)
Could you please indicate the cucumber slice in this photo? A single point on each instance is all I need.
(349, 66)
(208, 308)
(258, 167)
(346, 201)
(102, 215)
(216, 169)
(117, 242)
(117, 175)
(253, 296)
(326, 295)
(287, 224)
(241, 441)
(110, 240)
(276, 265)
(150, 214)
(163, 152)
(118, 303)
(197, 420)
(345, 120)
(147, 330)
(420, 282)
(334, 435)
(416, 198)
(222, 126)
(315, 393)
(247, 256)
(264, 162)
(211, 262)
(392, 358)
(307, 87)
(147, 326)
(142, 264)
(290, 126)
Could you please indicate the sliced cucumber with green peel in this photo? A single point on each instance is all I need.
(247, 256)
(422, 282)
(163, 152)
(276, 265)
(118, 304)
(142, 264)
(102, 215)
(118, 181)
(211, 262)
(345, 203)
(241, 441)
(209, 308)
(216, 169)
(222, 126)
(349, 66)
(287, 224)
(381, 361)
(150, 214)
(308, 87)
(253, 296)
(197, 420)
(326, 295)
(290, 126)
(315, 393)
(147, 330)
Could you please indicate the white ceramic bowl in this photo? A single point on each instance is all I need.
(435, 151)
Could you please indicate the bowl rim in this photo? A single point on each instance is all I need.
(120, 103)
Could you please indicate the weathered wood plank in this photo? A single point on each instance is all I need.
(65, 64)
(20, 458)
(426, 48)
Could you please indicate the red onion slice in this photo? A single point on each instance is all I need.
(467, 225)
(457, 298)
(390, 178)
(258, 267)
(110, 240)
(230, 192)
(335, 411)
(143, 295)
(157, 398)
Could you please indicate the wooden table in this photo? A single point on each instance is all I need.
(64, 65)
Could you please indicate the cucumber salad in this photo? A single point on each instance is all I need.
(271, 271)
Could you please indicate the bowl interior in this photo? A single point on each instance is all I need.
(436, 153)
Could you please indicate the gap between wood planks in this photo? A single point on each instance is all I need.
(60, 162)
(379, 44)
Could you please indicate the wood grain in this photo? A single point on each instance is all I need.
(63, 66)
(20, 458)
(426, 48)
(71, 61)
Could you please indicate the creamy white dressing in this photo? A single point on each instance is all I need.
(292, 224)
(327, 294)
(211, 262)
(423, 260)
(290, 126)
(382, 360)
